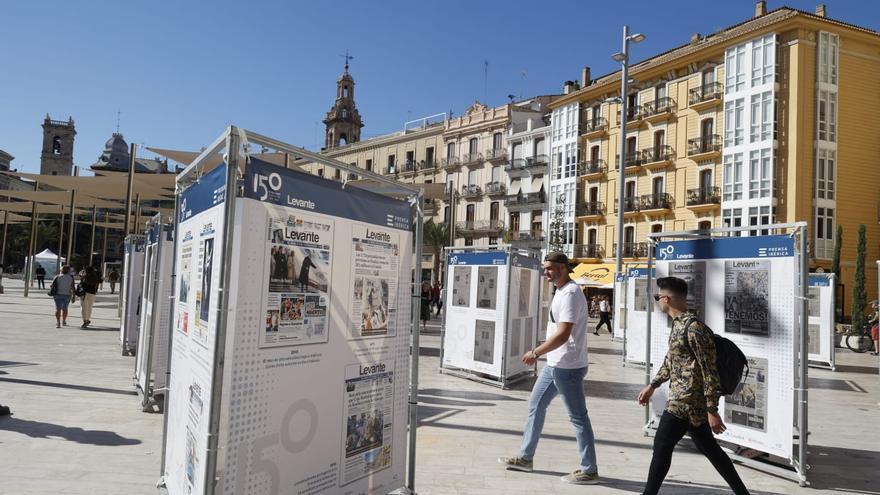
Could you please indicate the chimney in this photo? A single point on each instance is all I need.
(821, 11)
(567, 87)
(585, 77)
(760, 8)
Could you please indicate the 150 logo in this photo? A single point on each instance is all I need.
(266, 183)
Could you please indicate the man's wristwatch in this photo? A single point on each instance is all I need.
(535, 354)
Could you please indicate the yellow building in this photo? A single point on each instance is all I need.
(767, 121)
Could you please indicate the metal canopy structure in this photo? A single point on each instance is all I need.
(108, 185)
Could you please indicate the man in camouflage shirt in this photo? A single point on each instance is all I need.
(692, 408)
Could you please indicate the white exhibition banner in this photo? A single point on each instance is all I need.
(315, 383)
(152, 355)
(744, 289)
(618, 317)
(132, 292)
(491, 311)
(636, 311)
(199, 249)
(820, 329)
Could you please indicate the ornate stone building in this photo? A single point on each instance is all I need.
(343, 122)
(57, 155)
(116, 157)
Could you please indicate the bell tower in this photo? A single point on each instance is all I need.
(343, 122)
(57, 155)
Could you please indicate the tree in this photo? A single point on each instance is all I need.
(556, 236)
(835, 261)
(859, 295)
(436, 237)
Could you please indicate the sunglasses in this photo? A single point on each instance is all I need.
(657, 297)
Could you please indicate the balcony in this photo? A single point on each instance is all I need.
(477, 227)
(471, 191)
(469, 159)
(537, 164)
(704, 198)
(450, 163)
(704, 147)
(589, 251)
(429, 166)
(706, 96)
(633, 250)
(495, 188)
(589, 210)
(516, 167)
(657, 157)
(595, 128)
(524, 201)
(633, 117)
(391, 170)
(631, 205)
(527, 237)
(658, 110)
(497, 155)
(657, 203)
(633, 162)
(409, 168)
(592, 169)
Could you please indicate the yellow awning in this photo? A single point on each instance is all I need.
(599, 274)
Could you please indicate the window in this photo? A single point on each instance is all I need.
(320, 172)
(732, 218)
(733, 177)
(659, 141)
(657, 187)
(557, 162)
(828, 54)
(429, 155)
(759, 173)
(496, 141)
(825, 175)
(56, 145)
(556, 122)
(824, 232)
(494, 209)
(759, 216)
(345, 91)
(473, 146)
(514, 222)
(735, 69)
(593, 195)
(733, 122)
(708, 78)
(763, 60)
(493, 241)
(659, 93)
(369, 165)
(594, 155)
(827, 116)
(468, 241)
(630, 189)
(445, 214)
(469, 213)
(632, 103)
(657, 227)
(592, 237)
(337, 174)
(571, 121)
(410, 159)
(596, 114)
(706, 182)
(344, 113)
(761, 118)
(570, 160)
(450, 151)
(473, 177)
(629, 235)
(704, 225)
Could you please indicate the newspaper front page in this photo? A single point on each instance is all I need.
(748, 405)
(374, 269)
(747, 297)
(368, 421)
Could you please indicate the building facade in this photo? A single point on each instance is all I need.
(528, 183)
(767, 121)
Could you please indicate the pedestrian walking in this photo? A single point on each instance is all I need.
(604, 316)
(113, 277)
(874, 321)
(88, 290)
(566, 351)
(425, 304)
(62, 290)
(435, 297)
(40, 272)
(694, 389)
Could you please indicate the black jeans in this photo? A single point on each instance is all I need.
(604, 319)
(669, 432)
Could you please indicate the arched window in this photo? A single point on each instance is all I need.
(345, 91)
(342, 139)
(56, 145)
(344, 113)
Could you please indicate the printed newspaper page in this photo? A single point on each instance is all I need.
(747, 297)
(748, 405)
(297, 281)
(374, 270)
(367, 420)
(694, 273)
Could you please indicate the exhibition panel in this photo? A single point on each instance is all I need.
(131, 293)
(820, 333)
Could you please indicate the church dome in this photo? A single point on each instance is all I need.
(116, 144)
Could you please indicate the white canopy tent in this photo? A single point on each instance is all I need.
(50, 261)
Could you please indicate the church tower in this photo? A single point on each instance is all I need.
(343, 122)
(57, 155)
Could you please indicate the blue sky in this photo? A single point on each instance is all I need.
(180, 72)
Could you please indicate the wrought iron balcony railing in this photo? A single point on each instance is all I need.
(657, 107)
(706, 92)
(704, 196)
(592, 167)
(590, 209)
(630, 204)
(495, 187)
(658, 154)
(471, 191)
(589, 251)
(523, 199)
(657, 201)
(704, 144)
(594, 125)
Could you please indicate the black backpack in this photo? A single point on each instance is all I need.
(729, 361)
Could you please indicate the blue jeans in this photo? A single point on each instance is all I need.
(569, 383)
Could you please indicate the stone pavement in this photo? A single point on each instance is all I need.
(77, 426)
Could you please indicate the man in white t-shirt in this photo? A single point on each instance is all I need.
(566, 351)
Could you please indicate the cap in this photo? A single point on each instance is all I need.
(557, 257)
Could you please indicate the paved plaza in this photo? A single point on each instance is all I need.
(77, 427)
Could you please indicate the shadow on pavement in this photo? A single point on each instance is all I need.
(848, 368)
(465, 394)
(14, 364)
(68, 385)
(828, 464)
(518, 433)
(841, 385)
(429, 352)
(100, 329)
(37, 429)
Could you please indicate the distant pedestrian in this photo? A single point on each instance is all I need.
(435, 297)
(874, 321)
(88, 285)
(62, 290)
(604, 315)
(113, 278)
(425, 306)
(694, 390)
(1, 278)
(40, 272)
(566, 350)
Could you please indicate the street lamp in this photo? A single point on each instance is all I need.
(623, 58)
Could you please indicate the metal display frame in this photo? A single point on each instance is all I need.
(798, 463)
(125, 305)
(503, 381)
(235, 145)
(150, 398)
(831, 363)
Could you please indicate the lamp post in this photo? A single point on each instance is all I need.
(623, 58)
